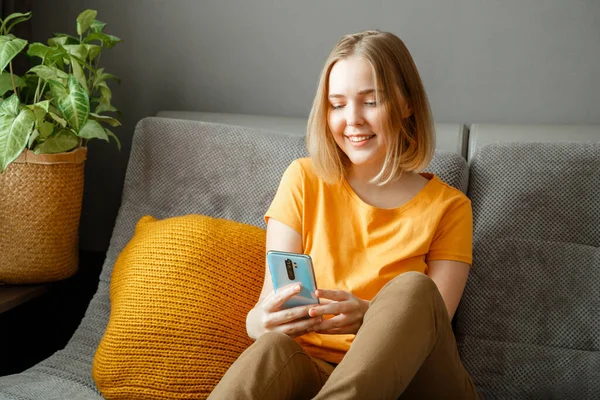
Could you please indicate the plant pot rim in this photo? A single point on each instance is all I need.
(76, 156)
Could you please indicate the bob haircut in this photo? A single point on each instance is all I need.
(410, 141)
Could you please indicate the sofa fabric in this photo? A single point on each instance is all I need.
(179, 167)
(528, 326)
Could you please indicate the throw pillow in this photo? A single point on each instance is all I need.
(180, 291)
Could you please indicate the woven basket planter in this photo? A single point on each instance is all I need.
(40, 207)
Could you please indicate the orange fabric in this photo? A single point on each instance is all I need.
(179, 292)
(359, 248)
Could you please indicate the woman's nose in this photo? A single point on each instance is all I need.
(353, 116)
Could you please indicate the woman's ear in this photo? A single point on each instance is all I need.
(406, 110)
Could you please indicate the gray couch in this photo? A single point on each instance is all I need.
(528, 326)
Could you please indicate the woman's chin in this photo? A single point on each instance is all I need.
(365, 161)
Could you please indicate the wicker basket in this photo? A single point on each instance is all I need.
(40, 206)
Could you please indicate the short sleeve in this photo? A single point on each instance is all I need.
(453, 239)
(287, 204)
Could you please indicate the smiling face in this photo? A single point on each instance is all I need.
(355, 119)
(397, 135)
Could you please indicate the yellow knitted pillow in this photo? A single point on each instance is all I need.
(179, 292)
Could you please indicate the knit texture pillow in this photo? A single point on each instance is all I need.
(180, 291)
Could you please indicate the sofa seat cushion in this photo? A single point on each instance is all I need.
(180, 292)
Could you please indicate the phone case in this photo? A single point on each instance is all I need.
(303, 273)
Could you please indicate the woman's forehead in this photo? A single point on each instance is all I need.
(353, 75)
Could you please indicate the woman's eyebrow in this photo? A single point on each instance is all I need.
(360, 92)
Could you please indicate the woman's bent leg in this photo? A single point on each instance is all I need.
(273, 367)
(405, 347)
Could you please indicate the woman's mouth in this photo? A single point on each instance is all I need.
(359, 140)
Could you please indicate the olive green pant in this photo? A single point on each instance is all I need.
(404, 349)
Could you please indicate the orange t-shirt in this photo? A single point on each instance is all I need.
(359, 248)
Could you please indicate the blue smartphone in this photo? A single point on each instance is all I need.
(289, 268)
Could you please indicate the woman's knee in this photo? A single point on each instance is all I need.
(276, 341)
(412, 284)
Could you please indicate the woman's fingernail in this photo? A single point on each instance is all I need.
(297, 288)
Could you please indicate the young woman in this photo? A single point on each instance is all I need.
(391, 247)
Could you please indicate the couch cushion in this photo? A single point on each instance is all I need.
(180, 292)
(528, 325)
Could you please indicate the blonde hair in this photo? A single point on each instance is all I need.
(410, 141)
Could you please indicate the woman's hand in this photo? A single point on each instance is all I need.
(289, 321)
(348, 311)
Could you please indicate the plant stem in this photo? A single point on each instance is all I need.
(93, 85)
(98, 60)
(37, 91)
(12, 77)
(42, 91)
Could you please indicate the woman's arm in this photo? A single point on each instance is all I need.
(450, 278)
(283, 238)
(279, 237)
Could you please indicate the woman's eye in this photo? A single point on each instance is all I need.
(371, 103)
(336, 106)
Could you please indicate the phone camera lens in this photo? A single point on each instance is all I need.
(290, 269)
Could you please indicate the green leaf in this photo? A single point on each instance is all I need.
(61, 39)
(49, 55)
(58, 119)
(50, 74)
(43, 105)
(79, 74)
(105, 98)
(17, 17)
(63, 140)
(38, 50)
(105, 118)
(46, 129)
(15, 128)
(75, 106)
(93, 130)
(93, 51)
(58, 90)
(106, 108)
(108, 41)
(40, 110)
(34, 135)
(9, 48)
(55, 57)
(77, 50)
(57, 41)
(102, 76)
(85, 20)
(97, 26)
(6, 83)
(10, 106)
(112, 135)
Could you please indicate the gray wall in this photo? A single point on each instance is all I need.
(509, 61)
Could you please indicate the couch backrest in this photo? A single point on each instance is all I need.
(482, 134)
(528, 325)
(449, 136)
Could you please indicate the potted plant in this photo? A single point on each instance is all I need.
(47, 117)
